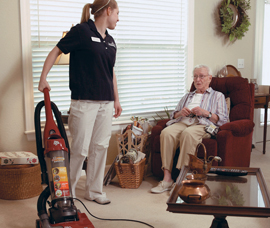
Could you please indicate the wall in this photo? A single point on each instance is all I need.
(212, 49)
(209, 48)
(12, 137)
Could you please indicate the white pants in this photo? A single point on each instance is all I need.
(90, 127)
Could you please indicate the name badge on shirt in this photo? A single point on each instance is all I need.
(112, 44)
(95, 39)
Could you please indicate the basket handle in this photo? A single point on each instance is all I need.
(130, 164)
(201, 144)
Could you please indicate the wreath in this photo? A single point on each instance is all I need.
(234, 19)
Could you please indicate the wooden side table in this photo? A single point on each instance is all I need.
(261, 100)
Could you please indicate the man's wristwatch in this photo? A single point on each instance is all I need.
(209, 116)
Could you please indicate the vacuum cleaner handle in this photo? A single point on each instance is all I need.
(50, 126)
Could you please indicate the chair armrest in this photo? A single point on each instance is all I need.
(239, 128)
(156, 130)
(162, 123)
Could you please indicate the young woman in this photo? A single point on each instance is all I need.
(93, 92)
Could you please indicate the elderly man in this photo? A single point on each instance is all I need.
(186, 129)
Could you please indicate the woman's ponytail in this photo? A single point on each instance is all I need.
(86, 13)
(98, 7)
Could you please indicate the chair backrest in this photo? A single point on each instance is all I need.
(241, 95)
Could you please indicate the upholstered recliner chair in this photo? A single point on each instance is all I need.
(234, 139)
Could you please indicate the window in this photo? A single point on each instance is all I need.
(152, 51)
(266, 45)
(260, 61)
(264, 50)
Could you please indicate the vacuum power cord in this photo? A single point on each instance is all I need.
(128, 220)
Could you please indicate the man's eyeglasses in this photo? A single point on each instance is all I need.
(199, 76)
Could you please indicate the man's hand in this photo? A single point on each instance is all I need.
(184, 112)
(198, 111)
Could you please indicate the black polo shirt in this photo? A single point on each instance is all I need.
(92, 59)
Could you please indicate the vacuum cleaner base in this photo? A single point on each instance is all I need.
(83, 222)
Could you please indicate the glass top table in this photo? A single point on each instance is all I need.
(229, 196)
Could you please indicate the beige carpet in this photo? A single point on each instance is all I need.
(136, 204)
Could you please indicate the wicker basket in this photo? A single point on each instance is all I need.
(20, 181)
(130, 175)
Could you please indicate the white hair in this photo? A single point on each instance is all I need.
(203, 66)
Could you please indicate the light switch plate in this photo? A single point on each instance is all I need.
(241, 63)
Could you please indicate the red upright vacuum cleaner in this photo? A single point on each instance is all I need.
(54, 163)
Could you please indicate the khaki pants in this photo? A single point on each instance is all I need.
(183, 136)
(90, 128)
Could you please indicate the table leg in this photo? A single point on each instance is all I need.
(219, 222)
(265, 127)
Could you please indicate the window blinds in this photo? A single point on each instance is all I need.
(151, 60)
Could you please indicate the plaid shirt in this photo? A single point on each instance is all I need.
(212, 101)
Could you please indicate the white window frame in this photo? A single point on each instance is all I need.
(258, 61)
(258, 41)
(27, 65)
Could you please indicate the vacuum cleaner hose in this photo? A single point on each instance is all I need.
(40, 149)
(41, 208)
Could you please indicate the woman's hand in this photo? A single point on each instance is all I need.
(117, 109)
(42, 85)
